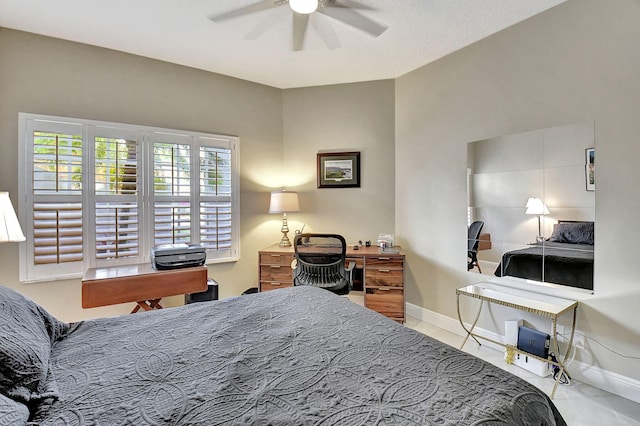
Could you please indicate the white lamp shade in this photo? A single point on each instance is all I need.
(536, 206)
(303, 6)
(284, 202)
(10, 230)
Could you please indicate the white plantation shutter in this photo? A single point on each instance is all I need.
(117, 230)
(172, 189)
(98, 194)
(116, 166)
(57, 233)
(117, 196)
(172, 222)
(216, 176)
(172, 169)
(53, 212)
(215, 225)
(57, 163)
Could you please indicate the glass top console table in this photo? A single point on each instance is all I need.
(540, 304)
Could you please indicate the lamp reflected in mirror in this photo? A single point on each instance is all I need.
(535, 206)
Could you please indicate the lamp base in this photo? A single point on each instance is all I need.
(284, 242)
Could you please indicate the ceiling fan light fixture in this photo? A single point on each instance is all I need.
(304, 7)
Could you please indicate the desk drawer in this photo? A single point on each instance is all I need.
(276, 259)
(276, 273)
(384, 277)
(386, 300)
(273, 285)
(388, 262)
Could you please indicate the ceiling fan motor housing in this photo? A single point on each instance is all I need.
(304, 7)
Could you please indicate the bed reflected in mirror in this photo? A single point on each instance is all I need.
(534, 194)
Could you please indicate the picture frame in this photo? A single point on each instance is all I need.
(338, 169)
(590, 169)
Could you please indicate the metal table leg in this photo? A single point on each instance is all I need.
(469, 331)
(561, 360)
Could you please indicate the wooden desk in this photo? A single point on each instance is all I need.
(139, 283)
(536, 303)
(484, 241)
(382, 276)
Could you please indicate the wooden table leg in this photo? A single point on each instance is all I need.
(155, 304)
(147, 305)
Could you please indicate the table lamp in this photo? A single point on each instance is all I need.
(537, 207)
(284, 202)
(10, 230)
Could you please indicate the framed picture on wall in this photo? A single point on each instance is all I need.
(338, 169)
(590, 169)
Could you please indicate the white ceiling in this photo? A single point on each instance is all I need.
(179, 31)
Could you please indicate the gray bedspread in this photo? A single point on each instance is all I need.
(298, 356)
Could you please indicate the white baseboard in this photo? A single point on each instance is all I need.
(614, 383)
(450, 324)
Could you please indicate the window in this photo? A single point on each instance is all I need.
(99, 194)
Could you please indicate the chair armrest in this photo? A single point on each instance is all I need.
(351, 265)
(294, 263)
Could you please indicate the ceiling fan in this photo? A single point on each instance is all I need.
(344, 11)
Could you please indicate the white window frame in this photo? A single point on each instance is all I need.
(145, 136)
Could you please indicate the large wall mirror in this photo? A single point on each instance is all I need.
(531, 205)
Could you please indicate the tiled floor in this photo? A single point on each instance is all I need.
(579, 404)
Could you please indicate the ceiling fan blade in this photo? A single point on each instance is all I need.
(326, 33)
(355, 19)
(300, 24)
(352, 4)
(252, 8)
(267, 23)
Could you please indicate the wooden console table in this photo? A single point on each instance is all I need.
(536, 303)
(382, 276)
(139, 283)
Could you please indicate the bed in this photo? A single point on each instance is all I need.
(296, 356)
(564, 258)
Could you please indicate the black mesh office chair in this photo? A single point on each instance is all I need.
(320, 262)
(473, 236)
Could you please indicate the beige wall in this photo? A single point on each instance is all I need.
(574, 63)
(50, 76)
(351, 117)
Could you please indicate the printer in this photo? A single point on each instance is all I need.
(173, 256)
